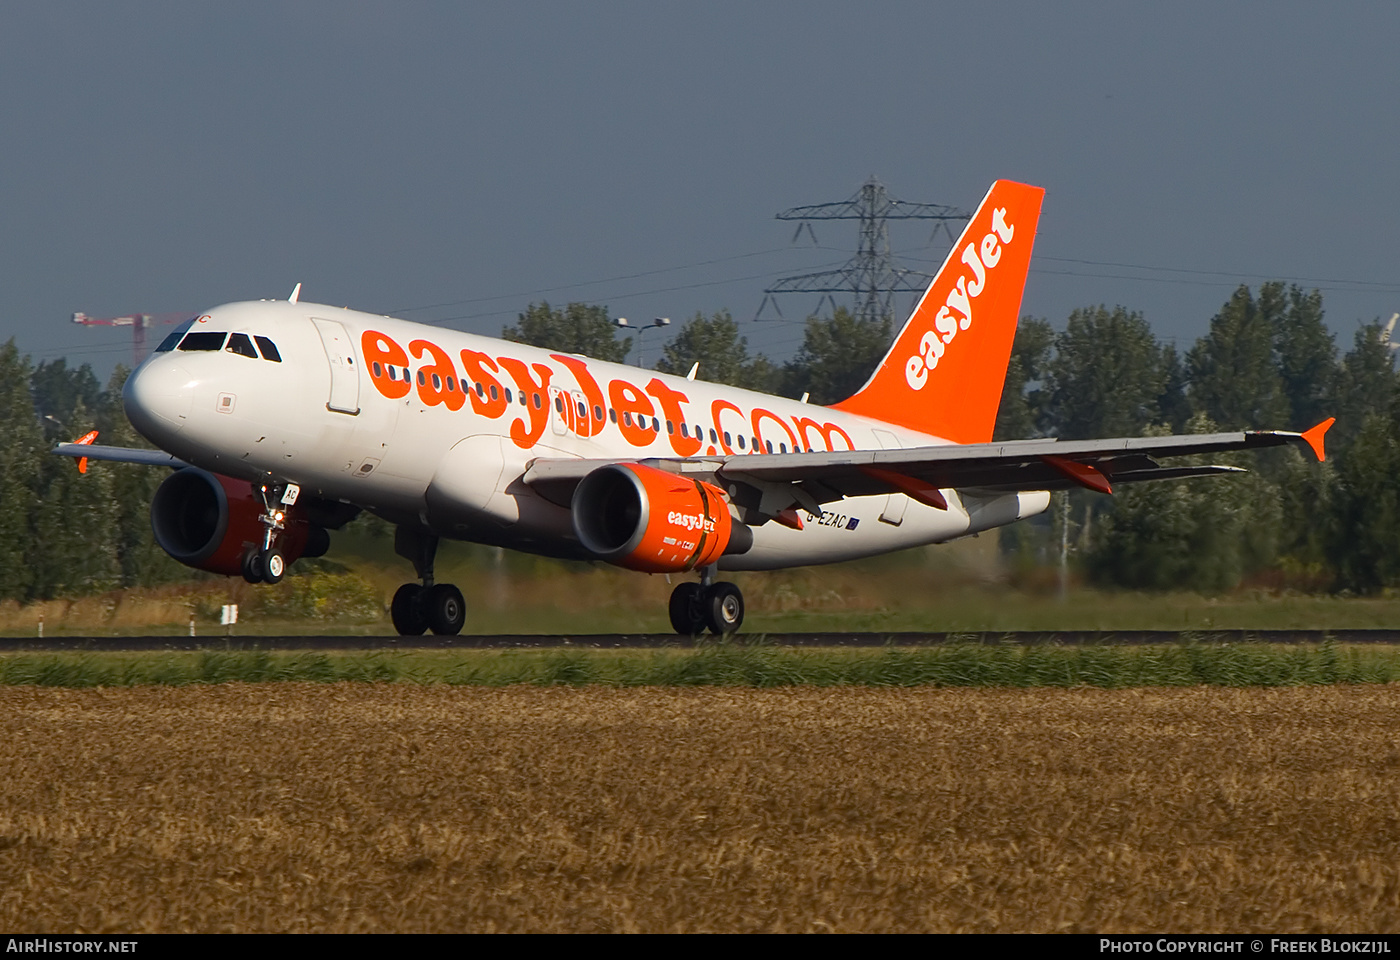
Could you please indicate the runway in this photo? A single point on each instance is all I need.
(612, 641)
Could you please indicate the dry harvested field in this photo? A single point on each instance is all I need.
(395, 807)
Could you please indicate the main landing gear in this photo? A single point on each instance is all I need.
(267, 563)
(417, 608)
(707, 605)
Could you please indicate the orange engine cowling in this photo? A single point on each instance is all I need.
(210, 522)
(647, 519)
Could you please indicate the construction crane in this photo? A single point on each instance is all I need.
(138, 322)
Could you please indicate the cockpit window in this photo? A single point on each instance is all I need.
(269, 349)
(202, 340)
(240, 344)
(169, 342)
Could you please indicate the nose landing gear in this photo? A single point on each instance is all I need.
(416, 608)
(267, 564)
(707, 605)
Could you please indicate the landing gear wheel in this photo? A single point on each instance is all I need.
(688, 609)
(406, 610)
(724, 608)
(274, 566)
(446, 610)
(253, 567)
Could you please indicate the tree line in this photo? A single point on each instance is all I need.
(1267, 361)
(63, 533)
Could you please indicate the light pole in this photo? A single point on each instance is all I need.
(656, 322)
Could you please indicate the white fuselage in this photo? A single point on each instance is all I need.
(426, 425)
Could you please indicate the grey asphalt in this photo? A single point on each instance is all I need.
(658, 641)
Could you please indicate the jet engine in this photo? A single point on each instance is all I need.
(210, 522)
(646, 519)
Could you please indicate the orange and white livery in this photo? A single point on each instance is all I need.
(282, 420)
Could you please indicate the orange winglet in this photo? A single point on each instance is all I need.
(1081, 473)
(1315, 435)
(925, 493)
(86, 439)
(789, 518)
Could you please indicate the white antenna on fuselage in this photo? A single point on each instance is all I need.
(296, 292)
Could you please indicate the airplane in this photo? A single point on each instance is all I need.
(282, 420)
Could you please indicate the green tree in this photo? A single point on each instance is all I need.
(1202, 534)
(1305, 352)
(578, 328)
(58, 393)
(1306, 491)
(837, 356)
(1365, 508)
(133, 486)
(723, 355)
(1365, 386)
(1107, 376)
(1023, 394)
(1234, 379)
(21, 442)
(1173, 407)
(73, 548)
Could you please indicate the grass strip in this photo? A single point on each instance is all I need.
(964, 665)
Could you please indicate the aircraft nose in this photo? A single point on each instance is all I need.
(158, 398)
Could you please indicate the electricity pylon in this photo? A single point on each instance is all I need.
(872, 275)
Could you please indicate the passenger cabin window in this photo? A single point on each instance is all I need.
(269, 350)
(203, 340)
(240, 344)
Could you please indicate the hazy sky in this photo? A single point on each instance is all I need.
(455, 161)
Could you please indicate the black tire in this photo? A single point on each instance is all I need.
(253, 567)
(724, 608)
(274, 566)
(687, 609)
(406, 611)
(446, 610)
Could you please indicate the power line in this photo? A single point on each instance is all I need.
(1223, 273)
(589, 283)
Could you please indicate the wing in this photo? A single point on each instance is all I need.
(91, 451)
(767, 485)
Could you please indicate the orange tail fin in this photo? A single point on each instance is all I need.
(944, 373)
